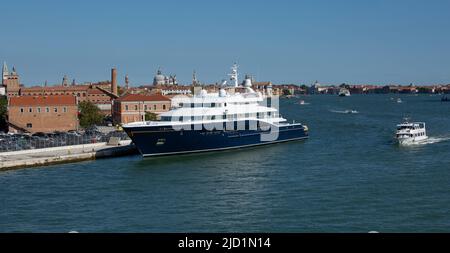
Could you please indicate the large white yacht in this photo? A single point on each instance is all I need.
(411, 132)
(215, 121)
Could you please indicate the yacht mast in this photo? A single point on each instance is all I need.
(234, 75)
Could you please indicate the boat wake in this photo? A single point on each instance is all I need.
(302, 102)
(430, 140)
(345, 111)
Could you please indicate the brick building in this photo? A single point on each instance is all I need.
(84, 92)
(80, 91)
(43, 113)
(132, 107)
(100, 94)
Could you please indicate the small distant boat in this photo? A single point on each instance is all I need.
(411, 132)
(444, 99)
(343, 92)
(302, 102)
(399, 100)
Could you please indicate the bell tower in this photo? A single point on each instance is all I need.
(5, 73)
(11, 81)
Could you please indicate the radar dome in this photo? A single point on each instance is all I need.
(203, 93)
(248, 83)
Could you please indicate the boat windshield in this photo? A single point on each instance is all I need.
(404, 135)
(414, 126)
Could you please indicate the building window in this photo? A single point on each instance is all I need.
(21, 110)
(126, 108)
(145, 107)
(65, 109)
(154, 107)
(39, 109)
(164, 107)
(29, 125)
(56, 109)
(135, 107)
(47, 109)
(30, 109)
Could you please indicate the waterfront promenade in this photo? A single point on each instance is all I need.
(65, 154)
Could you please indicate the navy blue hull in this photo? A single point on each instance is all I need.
(157, 141)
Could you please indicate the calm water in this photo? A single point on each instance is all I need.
(348, 177)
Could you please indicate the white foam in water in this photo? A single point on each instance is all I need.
(430, 140)
(345, 111)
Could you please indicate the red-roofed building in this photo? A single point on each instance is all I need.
(100, 93)
(43, 113)
(132, 107)
(77, 90)
(82, 92)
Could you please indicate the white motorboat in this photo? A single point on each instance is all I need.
(343, 92)
(411, 133)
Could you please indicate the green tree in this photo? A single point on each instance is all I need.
(287, 92)
(89, 114)
(150, 116)
(3, 112)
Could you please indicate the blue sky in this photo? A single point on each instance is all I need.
(376, 41)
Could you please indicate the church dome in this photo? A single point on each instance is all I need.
(159, 78)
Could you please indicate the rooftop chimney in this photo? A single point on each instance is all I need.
(114, 81)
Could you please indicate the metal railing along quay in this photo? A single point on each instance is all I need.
(17, 142)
